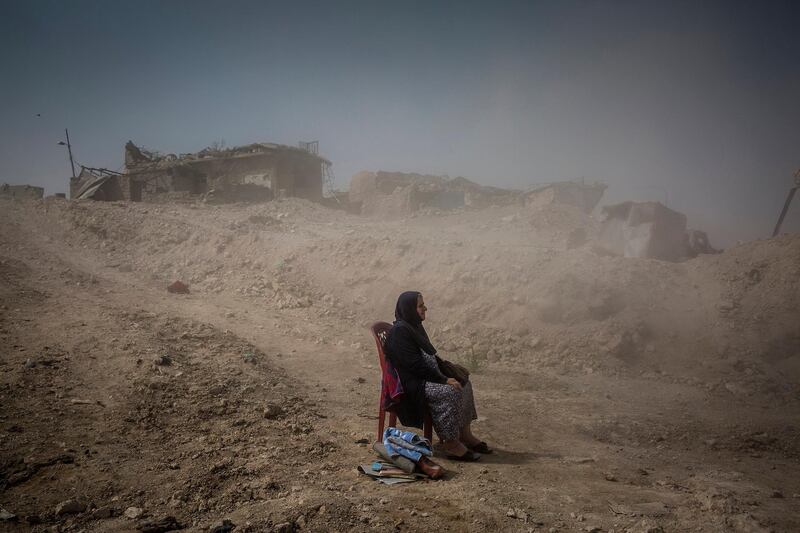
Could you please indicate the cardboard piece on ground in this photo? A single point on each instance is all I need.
(389, 477)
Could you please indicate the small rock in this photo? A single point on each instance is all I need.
(178, 287)
(70, 507)
(610, 477)
(519, 514)
(30, 363)
(134, 512)
(222, 527)
(284, 527)
(579, 460)
(593, 529)
(272, 411)
(168, 523)
(104, 512)
(776, 494)
(7, 516)
(163, 360)
(383, 501)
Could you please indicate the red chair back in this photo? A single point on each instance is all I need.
(380, 332)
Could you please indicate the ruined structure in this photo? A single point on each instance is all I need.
(98, 184)
(652, 230)
(399, 193)
(574, 193)
(21, 192)
(255, 172)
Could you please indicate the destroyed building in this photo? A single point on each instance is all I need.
(400, 193)
(650, 230)
(21, 192)
(256, 172)
(575, 193)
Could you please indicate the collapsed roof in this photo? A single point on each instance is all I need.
(137, 157)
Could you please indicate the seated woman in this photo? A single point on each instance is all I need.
(450, 402)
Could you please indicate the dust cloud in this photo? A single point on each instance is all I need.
(584, 194)
(669, 387)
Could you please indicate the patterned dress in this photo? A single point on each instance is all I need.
(451, 409)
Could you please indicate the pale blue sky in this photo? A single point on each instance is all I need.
(695, 103)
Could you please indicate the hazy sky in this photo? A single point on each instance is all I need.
(696, 104)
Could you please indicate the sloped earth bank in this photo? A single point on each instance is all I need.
(621, 395)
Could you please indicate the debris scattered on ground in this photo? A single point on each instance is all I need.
(134, 513)
(677, 379)
(178, 287)
(162, 525)
(70, 507)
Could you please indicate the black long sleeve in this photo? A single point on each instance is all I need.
(406, 356)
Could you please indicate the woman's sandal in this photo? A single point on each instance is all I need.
(468, 456)
(481, 447)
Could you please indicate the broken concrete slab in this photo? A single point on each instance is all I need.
(649, 230)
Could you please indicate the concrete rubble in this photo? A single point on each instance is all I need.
(650, 230)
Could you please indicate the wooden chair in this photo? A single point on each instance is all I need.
(380, 330)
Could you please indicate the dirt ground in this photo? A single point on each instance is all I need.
(619, 394)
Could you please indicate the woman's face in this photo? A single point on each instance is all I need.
(421, 307)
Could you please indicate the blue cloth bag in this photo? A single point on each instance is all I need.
(406, 443)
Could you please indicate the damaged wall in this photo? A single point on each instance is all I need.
(256, 172)
(400, 193)
(651, 230)
(21, 192)
(236, 176)
(577, 194)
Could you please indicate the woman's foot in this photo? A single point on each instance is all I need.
(458, 451)
(481, 447)
(475, 444)
(454, 447)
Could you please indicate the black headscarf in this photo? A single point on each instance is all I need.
(405, 314)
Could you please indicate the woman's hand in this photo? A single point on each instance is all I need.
(454, 382)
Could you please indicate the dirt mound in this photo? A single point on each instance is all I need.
(507, 284)
(252, 397)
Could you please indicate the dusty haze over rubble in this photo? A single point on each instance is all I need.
(186, 345)
(693, 106)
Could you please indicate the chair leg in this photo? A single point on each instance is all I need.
(381, 420)
(392, 420)
(427, 427)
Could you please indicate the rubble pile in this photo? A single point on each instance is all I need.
(510, 285)
(244, 400)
